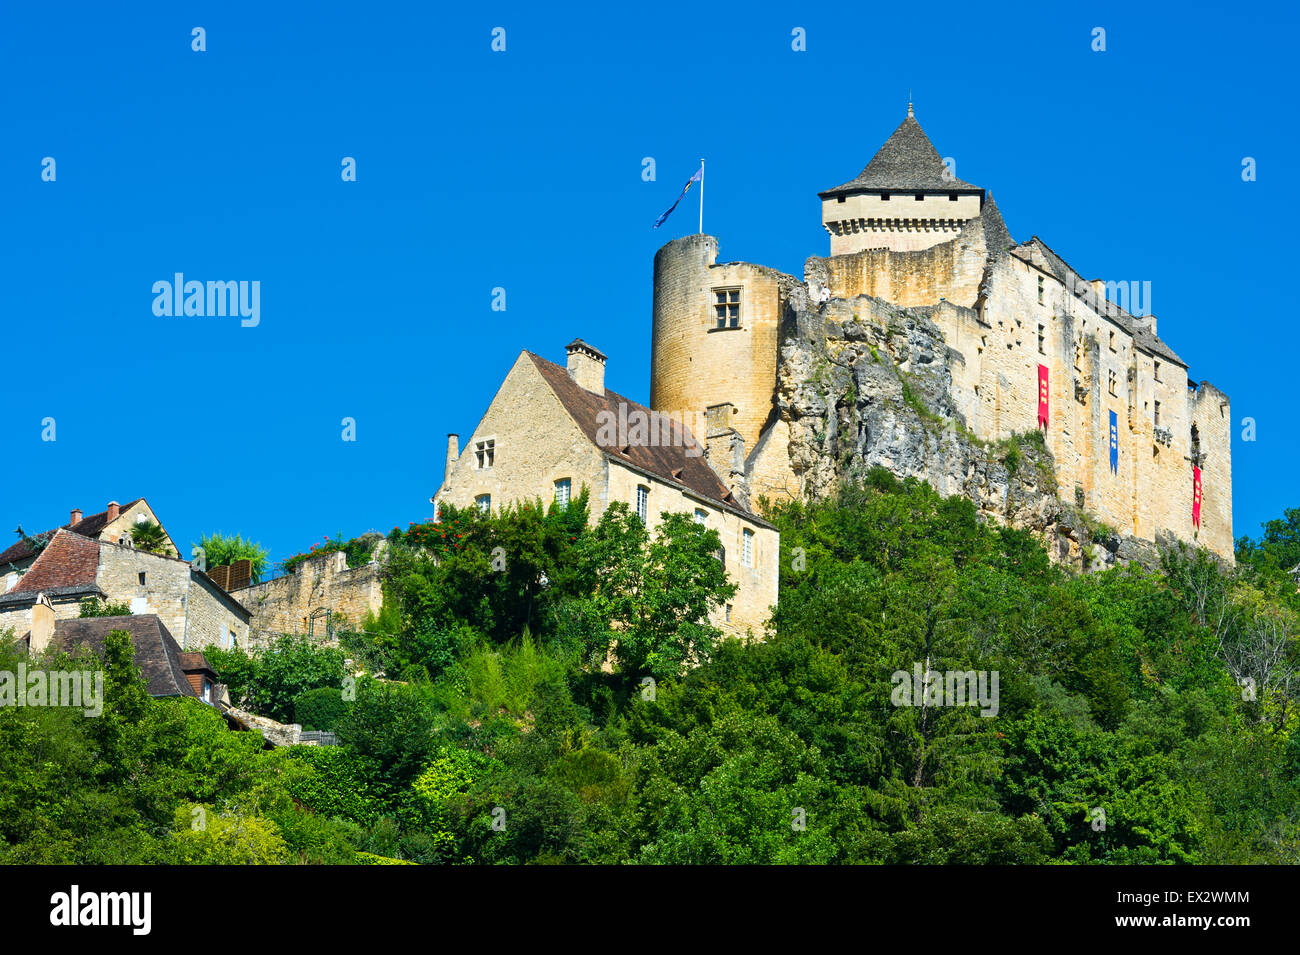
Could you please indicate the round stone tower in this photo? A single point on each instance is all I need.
(713, 345)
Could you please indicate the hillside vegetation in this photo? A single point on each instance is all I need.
(540, 691)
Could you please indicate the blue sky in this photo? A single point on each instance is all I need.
(522, 170)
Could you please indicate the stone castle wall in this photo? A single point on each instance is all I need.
(694, 364)
(1001, 317)
(285, 604)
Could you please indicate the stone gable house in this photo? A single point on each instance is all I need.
(68, 568)
(112, 524)
(552, 430)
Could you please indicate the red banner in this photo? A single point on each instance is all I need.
(1196, 497)
(1042, 396)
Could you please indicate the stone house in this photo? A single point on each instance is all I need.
(166, 668)
(70, 568)
(552, 430)
(112, 524)
(912, 243)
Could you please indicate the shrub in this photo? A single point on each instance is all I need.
(94, 607)
(320, 709)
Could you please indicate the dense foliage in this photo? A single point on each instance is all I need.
(358, 550)
(538, 690)
(220, 551)
(94, 607)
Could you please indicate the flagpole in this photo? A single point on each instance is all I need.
(701, 196)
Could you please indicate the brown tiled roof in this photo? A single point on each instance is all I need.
(195, 662)
(67, 565)
(156, 652)
(86, 527)
(671, 464)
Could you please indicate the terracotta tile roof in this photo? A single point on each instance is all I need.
(67, 565)
(907, 161)
(156, 652)
(670, 464)
(86, 527)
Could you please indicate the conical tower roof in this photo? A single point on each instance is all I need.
(907, 162)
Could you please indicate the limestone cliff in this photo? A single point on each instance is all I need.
(862, 383)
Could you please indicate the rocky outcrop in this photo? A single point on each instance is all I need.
(862, 383)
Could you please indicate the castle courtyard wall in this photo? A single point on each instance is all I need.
(285, 604)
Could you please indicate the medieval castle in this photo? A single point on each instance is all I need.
(1009, 335)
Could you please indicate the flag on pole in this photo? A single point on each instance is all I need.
(698, 177)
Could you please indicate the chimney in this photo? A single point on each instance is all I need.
(42, 624)
(453, 452)
(586, 366)
(76, 516)
(113, 510)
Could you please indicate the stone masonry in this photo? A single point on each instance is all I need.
(285, 605)
(919, 254)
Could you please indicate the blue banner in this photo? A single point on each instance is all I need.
(1114, 445)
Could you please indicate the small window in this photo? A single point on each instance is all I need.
(728, 613)
(485, 453)
(1112, 385)
(747, 547)
(1157, 371)
(701, 516)
(841, 199)
(1112, 341)
(562, 489)
(952, 198)
(726, 307)
(1040, 290)
(1041, 337)
(1157, 413)
(643, 503)
(142, 578)
(920, 196)
(884, 197)
(484, 502)
(207, 691)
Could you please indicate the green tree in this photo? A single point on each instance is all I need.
(220, 551)
(654, 593)
(268, 680)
